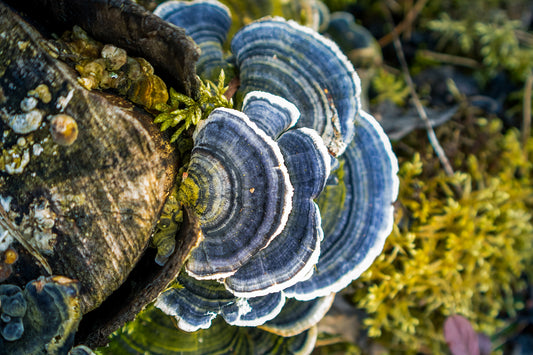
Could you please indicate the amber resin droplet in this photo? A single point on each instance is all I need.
(10, 256)
(64, 129)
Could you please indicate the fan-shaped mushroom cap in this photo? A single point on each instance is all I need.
(239, 187)
(266, 343)
(307, 69)
(195, 303)
(208, 23)
(356, 41)
(273, 114)
(50, 317)
(153, 332)
(291, 256)
(357, 213)
(298, 316)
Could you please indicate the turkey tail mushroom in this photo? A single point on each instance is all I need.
(307, 69)
(357, 212)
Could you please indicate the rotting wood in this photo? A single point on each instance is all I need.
(105, 190)
(129, 26)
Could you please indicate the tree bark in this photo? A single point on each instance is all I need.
(126, 25)
(103, 193)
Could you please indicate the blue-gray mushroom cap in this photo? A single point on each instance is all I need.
(207, 22)
(292, 61)
(299, 316)
(195, 303)
(239, 187)
(292, 255)
(357, 212)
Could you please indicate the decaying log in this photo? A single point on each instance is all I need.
(101, 195)
(143, 285)
(126, 25)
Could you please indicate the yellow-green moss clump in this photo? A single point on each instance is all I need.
(459, 246)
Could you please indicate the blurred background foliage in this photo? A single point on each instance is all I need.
(462, 242)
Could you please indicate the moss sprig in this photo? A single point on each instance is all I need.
(184, 111)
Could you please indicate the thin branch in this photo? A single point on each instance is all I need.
(402, 26)
(526, 111)
(233, 85)
(5, 223)
(524, 37)
(419, 108)
(450, 59)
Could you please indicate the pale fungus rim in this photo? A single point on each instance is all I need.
(350, 102)
(383, 227)
(288, 194)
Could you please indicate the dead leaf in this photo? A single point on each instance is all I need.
(460, 336)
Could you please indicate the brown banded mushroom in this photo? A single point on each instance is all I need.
(154, 333)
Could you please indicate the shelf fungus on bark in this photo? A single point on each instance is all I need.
(195, 303)
(250, 296)
(291, 256)
(271, 113)
(238, 185)
(153, 332)
(207, 22)
(299, 316)
(40, 319)
(357, 212)
(307, 69)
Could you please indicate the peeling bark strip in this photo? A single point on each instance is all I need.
(126, 25)
(102, 194)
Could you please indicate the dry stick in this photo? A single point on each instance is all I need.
(409, 18)
(526, 122)
(419, 108)
(449, 59)
(6, 224)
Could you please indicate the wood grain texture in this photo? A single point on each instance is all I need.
(106, 189)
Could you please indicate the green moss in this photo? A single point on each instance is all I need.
(389, 87)
(460, 243)
(189, 193)
(185, 112)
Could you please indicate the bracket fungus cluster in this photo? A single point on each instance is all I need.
(207, 22)
(288, 198)
(42, 318)
(293, 191)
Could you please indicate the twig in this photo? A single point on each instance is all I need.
(233, 85)
(450, 59)
(419, 108)
(526, 111)
(329, 341)
(5, 222)
(408, 20)
(524, 37)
